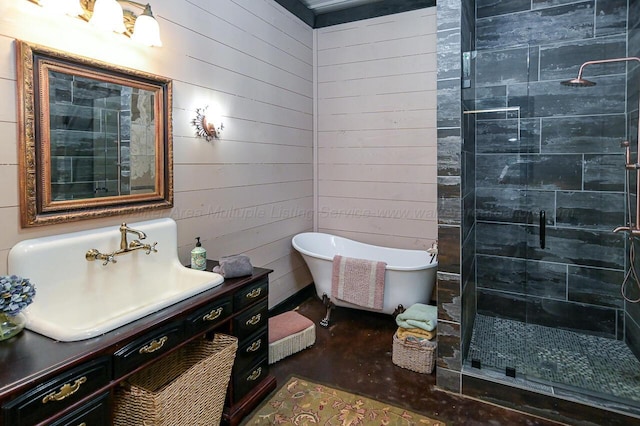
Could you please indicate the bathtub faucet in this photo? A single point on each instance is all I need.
(125, 246)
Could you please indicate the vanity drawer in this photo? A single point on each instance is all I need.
(57, 394)
(251, 294)
(244, 381)
(250, 321)
(95, 413)
(253, 348)
(146, 348)
(214, 313)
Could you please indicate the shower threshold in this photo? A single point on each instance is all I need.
(591, 370)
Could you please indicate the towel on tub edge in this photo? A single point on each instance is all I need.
(358, 281)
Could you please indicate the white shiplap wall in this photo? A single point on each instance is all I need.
(250, 59)
(376, 129)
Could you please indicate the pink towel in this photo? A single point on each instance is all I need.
(358, 281)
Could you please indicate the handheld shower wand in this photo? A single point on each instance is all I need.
(633, 228)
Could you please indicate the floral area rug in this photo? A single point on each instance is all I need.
(301, 402)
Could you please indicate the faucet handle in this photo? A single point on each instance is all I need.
(152, 248)
(109, 258)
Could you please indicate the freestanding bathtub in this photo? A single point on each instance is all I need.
(410, 275)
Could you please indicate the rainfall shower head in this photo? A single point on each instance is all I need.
(581, 82)
(578, 82)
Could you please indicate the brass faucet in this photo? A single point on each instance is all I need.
(125, 247)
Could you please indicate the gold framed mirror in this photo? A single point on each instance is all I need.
(95, 139)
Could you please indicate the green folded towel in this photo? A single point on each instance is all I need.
(420, 316)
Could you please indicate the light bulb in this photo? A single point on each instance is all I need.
(108, 16)
(146, 29)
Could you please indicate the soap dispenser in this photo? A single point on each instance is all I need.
(199, 256)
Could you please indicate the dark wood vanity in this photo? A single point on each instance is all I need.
(71, 383)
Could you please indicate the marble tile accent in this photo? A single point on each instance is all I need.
(587, 134)
(449, 354)
(449, 201)
(514, 205)
(505, 66)
(549, 98)
(449, 146)
(449, 297)
(549, 172)
(572, 246)
(469, 176)
(468, 216)
(567, 22)
(595, 286)
(501, 136)
(491, 97)
(611, 17)
(449, 248)
(449, 109)
(592, 210)
(604, 172)
(448, 12)
(581, 318)
(562, 61)
(504, 305)
(521, 276)
(487, 8)
(448, 380)
(449, 56)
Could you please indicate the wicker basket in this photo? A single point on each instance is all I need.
(187, 387)
(413, 356)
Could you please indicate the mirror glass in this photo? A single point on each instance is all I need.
(95, 138)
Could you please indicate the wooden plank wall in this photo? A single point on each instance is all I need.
(376, 131)
(249, 192)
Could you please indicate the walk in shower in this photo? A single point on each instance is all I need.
(545, 182)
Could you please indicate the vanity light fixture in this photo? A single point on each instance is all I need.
(204, 125)
(63, 7)
(108, 15)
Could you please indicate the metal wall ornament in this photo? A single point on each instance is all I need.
(205, 128)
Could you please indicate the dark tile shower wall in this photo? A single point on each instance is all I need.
(632, 310)
(566, 161)
(450, 187)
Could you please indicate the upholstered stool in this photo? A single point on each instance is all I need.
(289, 333)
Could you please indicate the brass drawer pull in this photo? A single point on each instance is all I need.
(213, 314)
(254, 293)
(65, 391)
(153, 346)
(256, 373)
(254, 319)
(82, 424)
(254, 346)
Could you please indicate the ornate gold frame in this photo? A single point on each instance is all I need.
(36, 204)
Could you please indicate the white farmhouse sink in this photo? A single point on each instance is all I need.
(78, 299)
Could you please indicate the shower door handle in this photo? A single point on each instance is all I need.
(543, 227)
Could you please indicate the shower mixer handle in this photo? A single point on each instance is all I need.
(628, 165)
(633, 232)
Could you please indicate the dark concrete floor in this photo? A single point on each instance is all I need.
(354, 354)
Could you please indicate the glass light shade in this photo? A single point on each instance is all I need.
(108, 16)
(62, 7)
(147, 31)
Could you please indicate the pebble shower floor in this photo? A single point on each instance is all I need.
(605, 367)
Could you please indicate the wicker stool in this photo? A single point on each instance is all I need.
(289, 333)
